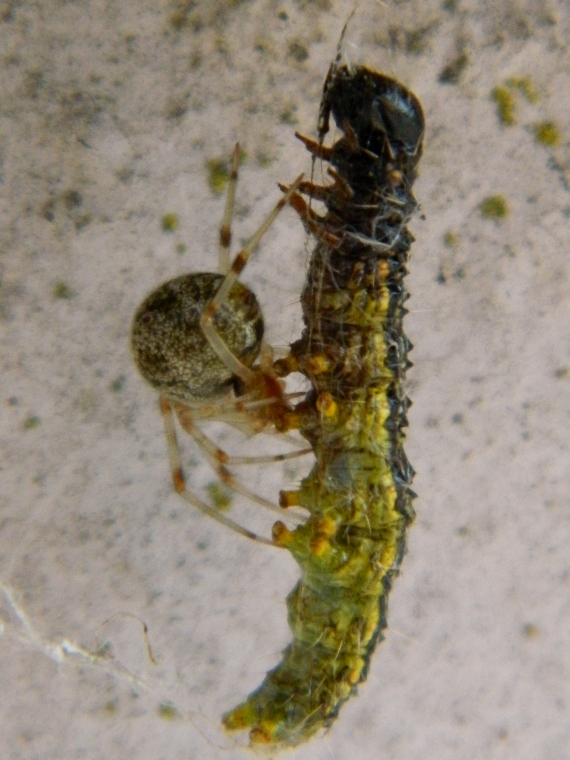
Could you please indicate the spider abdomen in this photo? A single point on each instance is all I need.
(170, 349)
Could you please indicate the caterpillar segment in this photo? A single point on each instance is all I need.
(354, 353)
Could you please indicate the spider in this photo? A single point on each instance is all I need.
(198, 340)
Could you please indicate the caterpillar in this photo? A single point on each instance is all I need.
(353, 351)
(198, 340)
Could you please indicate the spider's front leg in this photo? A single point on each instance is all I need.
(208, 318)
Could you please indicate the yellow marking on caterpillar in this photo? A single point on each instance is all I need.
(326, 405)
(317, 365)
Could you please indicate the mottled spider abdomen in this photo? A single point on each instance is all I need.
(169, 346)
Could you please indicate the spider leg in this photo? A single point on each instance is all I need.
(220, 456)
(219, 459)
(238, 264)
(237, 408)
(180, 484)
(226, 226)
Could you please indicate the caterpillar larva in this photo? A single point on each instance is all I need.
(354, 353)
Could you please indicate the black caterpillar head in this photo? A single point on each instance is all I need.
(386, 118)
